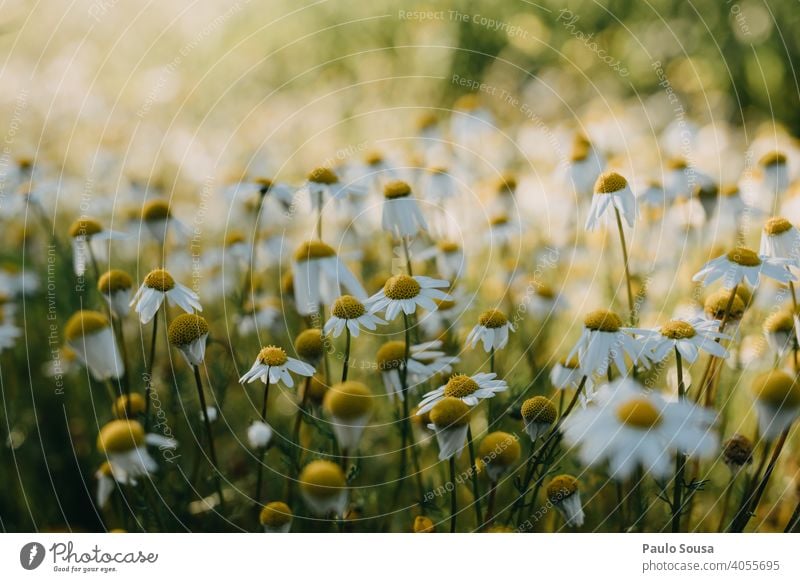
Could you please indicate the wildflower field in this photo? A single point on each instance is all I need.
(331, 266)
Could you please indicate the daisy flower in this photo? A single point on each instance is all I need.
(470, 389)
(401, 213)
(779, 332)
(742, 264)
(449, 258)
(585, 164)
(498, 452)
(424, 361)
(502, 229)
(567, 375)
(124, 444)
(116, 287)
(324, 183)
(324, 488)
(539, 415)
(717, 304)
(259, 316)
(563, 493)
(405, 293)
(611, 190)
(89, 335)
(780, 240)
(349, 311)
(775, 176)
(188, 332)
(604, 341)
(777, 400)
(319, 276)
(310, 346)
(492, 330)
(105, 484)
(687, 336)
(83, 233)
(157, 218)
(276, 517)
(349, 406)
(632, 428)
(450, 422)
(273, 365)
(157, 286)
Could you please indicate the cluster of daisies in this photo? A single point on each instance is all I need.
(382, 335)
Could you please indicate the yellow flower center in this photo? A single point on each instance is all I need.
(602, 320)
(492, 319)
(449, 412)
(546, 291)
(401, 287)
(186, 328)
(744, 256)
(373, 158)
(571, 364)
(114, 280)
(677, 330)
(676, 164)
(156, 210)
(84, 323)
(323, 176)
(348, 307)
(777, 225)
(499, 220)
(444, 304)
(773, 158)
(539, 409)
(639, 413)
(396, 189)
(234, 237)
(126, 406)
(272, 356)
(85, 227)
(717, 302)
(160, 280)
(447, 246)
(561, 487)
(119, 436)
(391, 355)
(780, 321)
(460, 386)
(314, 249)
(322, 479)
(609, 182)
(348, 400)
(778, 389)
(500, 449)
(275, 514)
(309, 344)
(423, 524)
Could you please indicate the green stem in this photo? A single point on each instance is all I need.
(209, 434)
(453, 495)
(631, 305)
(680, 458)
(148, 385)
(473, 468)
(346, 365)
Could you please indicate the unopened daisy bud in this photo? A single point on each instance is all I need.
(188, 332)
(259, 435)
(324, 488)
(423, 524)
(349, 405)
(89, 335)
(717, 303)
(116, 286)
(777, 395)
(539, 415)
(128, 406)
(450, 420)
(401, 213)
(310, 345)
(611, 191)
(563, 493)
(498, 451)
(779, 331)
(276, 517)
(492, 329)
(737, 453)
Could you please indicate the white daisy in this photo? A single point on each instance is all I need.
(188, 332)
(274, 365)
(324, 488)
(779, 332)
(611, 189)
(449, 257)
(401, 213)
(89, 335)
(780, 240)
(742, 264)
(604, 341)
(276, 517)
(567, 375)
(424, 362)
(539, 414)
(124, 444)
(158, 285)
(777, 400)
(84, 232)
(350, 312)
(565, 496)
(158, 219)
(492, 330)
(319, 276)
(404, 293)
(116, 287)
(450, 422)
(630, 427)
(470, 389)
(324, 183)
(687, 336)
(349, 406)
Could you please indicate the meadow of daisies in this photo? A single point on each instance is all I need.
(472, 313)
